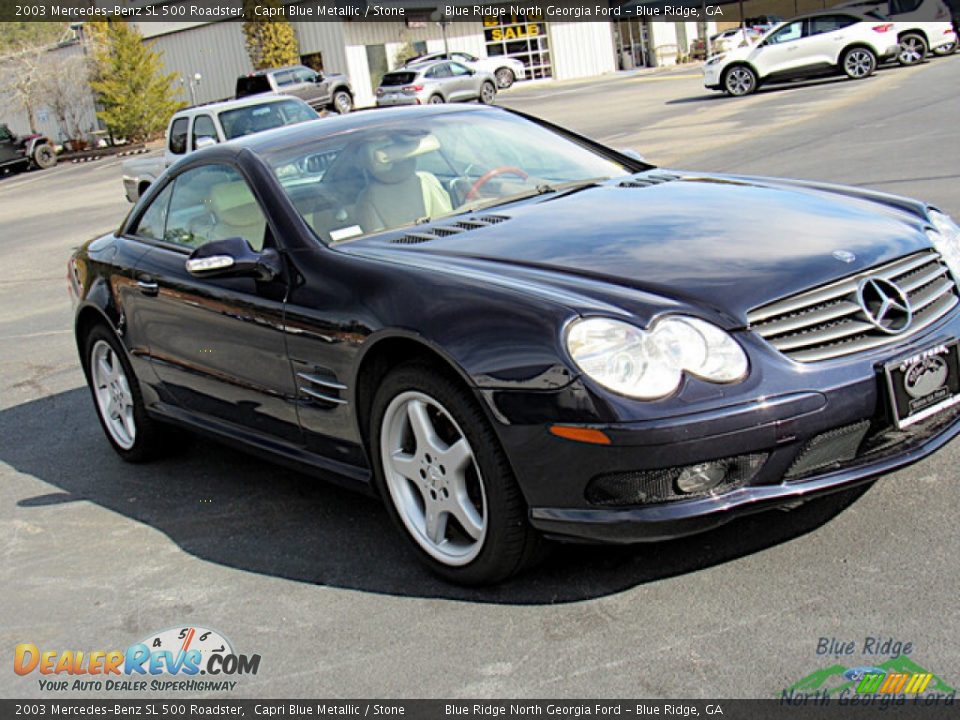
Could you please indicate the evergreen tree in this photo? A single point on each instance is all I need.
(136, 96)
(270, 42)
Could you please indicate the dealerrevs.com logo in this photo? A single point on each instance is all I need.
(169, 661)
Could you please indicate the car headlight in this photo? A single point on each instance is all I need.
(649, 364)
(946, 240)
(715, 59)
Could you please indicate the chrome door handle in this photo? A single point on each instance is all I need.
(148, 286)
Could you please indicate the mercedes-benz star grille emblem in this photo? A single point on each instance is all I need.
(885, 305)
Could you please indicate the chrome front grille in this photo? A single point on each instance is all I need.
(828, 321)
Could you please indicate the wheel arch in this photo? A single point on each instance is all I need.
(388, 350)
(88, 317)
(739, 63)
(854, 46)
(914, 31)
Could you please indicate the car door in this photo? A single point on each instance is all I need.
(311, 87)
(216, 345)
(441, 81)
(828, 35)
(782, 52)
(8, 148)
(465, 81)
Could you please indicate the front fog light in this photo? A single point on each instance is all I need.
(701, 478)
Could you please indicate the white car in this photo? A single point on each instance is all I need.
(823, 43)
(733, 38)
(922, 26)
(506, 70)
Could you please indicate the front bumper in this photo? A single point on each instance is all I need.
(789, 408)
(711, 76)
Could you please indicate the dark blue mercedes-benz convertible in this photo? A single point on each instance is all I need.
(507, 330)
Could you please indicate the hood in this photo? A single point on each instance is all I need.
(724, 244)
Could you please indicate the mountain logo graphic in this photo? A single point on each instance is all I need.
(895, 676)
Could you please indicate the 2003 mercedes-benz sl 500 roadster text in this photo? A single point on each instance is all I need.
(509, 331)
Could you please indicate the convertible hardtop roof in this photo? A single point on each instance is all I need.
(315, 129)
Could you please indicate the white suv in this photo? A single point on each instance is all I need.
(822, 43)
(922, 26)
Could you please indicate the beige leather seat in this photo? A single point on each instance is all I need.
(237, 213)
(397, 194)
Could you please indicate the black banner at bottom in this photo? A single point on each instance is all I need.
(818, 708)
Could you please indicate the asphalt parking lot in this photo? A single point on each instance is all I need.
(98, 554)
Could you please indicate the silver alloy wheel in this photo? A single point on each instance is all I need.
(739, 81)
(433, 478)
(912, 50)
(945, 49)
(858, 63)
(505, 77)
(114, 398)
(487, 93)
(343, 103)
(436, 100)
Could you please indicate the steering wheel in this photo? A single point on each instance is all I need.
(490, 174)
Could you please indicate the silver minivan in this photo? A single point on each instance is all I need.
(436, 82)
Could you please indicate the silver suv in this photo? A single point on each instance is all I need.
(436, 82)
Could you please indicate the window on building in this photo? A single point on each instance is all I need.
(521, 36)
(314, 61)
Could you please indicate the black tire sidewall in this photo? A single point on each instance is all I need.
(509, 535)
(148, 434)
(336, 107)
(37, 152)
(726, 76)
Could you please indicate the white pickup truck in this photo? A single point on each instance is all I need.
(202, 125)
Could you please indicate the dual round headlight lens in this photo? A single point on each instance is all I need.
(650, 364)
(946, 239)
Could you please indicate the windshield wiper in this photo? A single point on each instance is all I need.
(561, 189)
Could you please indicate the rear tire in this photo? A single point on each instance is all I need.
(134, 435)
(436, 100)
(913, 49)
(858, 63)
(488, 93)
(341, 102)
(44, 156)
(445, 479)
(739, 80)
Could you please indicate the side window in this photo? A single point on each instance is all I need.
(153, 222)
(177, 142)
(203, 127)
(457, 69)
(283, 78)
(441, 71)
(305, 75)
(829, 23)
(213, 202)
(791, 32)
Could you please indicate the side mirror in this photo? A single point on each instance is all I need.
(204, 141)
(233, 257)
(632, 154)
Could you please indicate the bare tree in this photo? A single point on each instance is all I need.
(65, 89)
(23, 72)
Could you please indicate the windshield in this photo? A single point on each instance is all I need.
(257, 118)
(400, 173)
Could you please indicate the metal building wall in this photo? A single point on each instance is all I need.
(215, 50)
(581, 49)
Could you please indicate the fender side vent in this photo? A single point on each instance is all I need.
(440, 231)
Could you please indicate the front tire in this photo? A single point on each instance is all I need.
(913, 49)
(488, 93)
(858, 63)
(505, 78)
(44, 156)
(134, 435)
(945, 50)
(445, 479)
(740, 80)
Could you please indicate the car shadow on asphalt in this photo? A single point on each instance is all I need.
(229, 508)
(780, 88)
